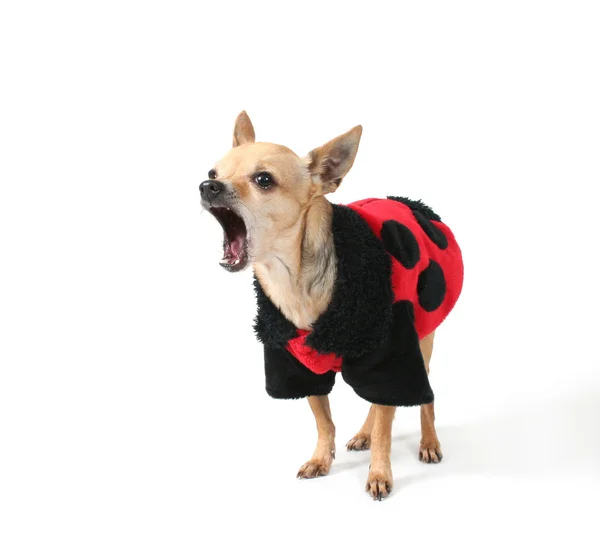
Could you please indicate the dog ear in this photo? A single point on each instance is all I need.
(332, 161)
(243, 132)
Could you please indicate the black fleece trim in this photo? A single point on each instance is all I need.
(271, 327)
(359, 315)
(418, 206)
(395, 373)
(287, 378)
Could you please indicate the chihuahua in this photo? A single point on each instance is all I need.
(338, 287)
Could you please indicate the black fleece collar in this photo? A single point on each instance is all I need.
(359, 316)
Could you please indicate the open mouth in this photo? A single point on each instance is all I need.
(235, 238)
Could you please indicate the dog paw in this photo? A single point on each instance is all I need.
(315, 468)
(430, 453)
(360, 441)
(379, 485)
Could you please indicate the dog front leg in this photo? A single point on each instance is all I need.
(320, 464)
(380, 481)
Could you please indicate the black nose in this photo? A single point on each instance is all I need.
(210, 189)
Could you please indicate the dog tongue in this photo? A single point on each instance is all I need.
(232, 251)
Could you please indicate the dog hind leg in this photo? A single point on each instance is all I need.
(430, 450)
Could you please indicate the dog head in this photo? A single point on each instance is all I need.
(259, 192)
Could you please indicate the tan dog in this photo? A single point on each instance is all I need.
(271, 204)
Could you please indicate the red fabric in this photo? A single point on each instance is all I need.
(317, 362)
(404, 281)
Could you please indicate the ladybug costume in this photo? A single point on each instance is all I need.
(399, 274)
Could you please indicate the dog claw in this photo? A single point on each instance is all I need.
(358, 443)
(430, 454)
(314, 469)
(379, 486)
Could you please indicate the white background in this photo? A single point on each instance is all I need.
(132, 400)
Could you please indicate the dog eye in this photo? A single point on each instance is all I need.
(212, 174)
(264, 180)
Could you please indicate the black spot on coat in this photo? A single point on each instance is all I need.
(431, 287)
(401, 243)
(432, 232)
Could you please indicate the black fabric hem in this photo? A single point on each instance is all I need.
(395, 373)
(287, 378)
(282, 394)
(373, 394)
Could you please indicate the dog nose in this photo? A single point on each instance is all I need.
(209, 189)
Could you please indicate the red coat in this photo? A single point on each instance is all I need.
(399, 273)
(400, 229)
